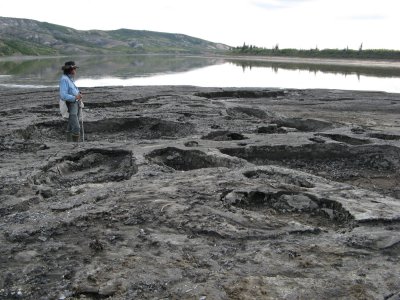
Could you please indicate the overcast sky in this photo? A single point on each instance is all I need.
(301, 24)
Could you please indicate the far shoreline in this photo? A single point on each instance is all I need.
(318, 61)
(276, 59)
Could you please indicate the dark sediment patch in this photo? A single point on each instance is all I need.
(89, 166)
(290, 203)
(20, 146)
(373, 157)
(277, 177)
(191, 144)
(124, 103)
(364, 164)
(40, 130)
(117, 128)
(345, 139)
(242, 94)
(222, 135)
(185, 160)
(385, 136)
(245, 112)
(306, 125)
(144, 128)
(16, 198)
(271, 129)
(115, 103)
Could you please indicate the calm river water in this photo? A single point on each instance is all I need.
(197, 71)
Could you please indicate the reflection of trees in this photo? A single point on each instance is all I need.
(139, 65)
(244, 67)
(48, 70)
(335, 69)
(36, 66)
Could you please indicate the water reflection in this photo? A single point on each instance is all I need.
(358, 70)
(46, 71)
(199, 71)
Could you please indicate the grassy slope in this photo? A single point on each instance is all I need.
(29, 37)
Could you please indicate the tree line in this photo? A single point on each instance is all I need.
(345, 53)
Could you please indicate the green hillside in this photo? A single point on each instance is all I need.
(30, 37)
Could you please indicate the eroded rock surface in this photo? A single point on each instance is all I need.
(201, 193)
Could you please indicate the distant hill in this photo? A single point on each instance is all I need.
(30, 37)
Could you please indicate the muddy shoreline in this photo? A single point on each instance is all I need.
(181, 192)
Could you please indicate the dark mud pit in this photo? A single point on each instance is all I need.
(111, 129)
(201, 193)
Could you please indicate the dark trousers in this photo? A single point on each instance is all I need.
(73, 120)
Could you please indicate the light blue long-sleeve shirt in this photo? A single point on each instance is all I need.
(68, 89)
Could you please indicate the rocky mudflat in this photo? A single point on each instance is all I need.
(201, 193)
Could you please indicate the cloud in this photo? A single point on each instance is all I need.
(365, 17)
(268, 6)
(277, 4)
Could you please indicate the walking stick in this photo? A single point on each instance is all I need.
(81, 113)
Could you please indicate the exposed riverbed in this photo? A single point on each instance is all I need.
(181, 192)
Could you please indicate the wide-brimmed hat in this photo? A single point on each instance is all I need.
(69, 65)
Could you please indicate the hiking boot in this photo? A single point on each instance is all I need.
(75, 137)
(69, 137)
